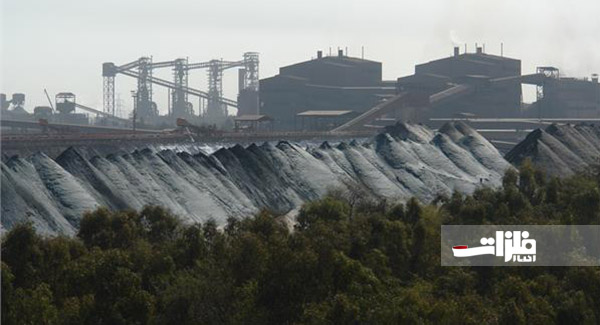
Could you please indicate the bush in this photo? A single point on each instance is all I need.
(347, 261)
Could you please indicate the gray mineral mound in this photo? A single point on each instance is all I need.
(404, 161)
(560, 150)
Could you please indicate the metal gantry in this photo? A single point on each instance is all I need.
(215, 110)
(251, 71)
(548, 73)
(146, 108)
(141, 69)
(179, 97)
(108, 83)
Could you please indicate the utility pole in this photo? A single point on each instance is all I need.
(134, 95)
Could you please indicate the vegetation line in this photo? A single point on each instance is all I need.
(346, 262)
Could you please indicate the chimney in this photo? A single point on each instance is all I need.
(319, 54)
(479, 50)
(340, 53)
(456, 51)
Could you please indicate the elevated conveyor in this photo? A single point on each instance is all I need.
(403, 100)
(530, 79)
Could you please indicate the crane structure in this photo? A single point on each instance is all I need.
(179, 90)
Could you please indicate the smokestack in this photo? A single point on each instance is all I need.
(456, 51)
(340, 53)
(319, 54)
(479, 50)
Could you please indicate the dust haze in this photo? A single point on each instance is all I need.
(60, 45)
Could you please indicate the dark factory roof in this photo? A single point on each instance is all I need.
(424, 77)
(336, 59)
(382, 87)
(342, 61)
(324, 113)
(279, 78)
(253, 118)
(287, 76)
(483, 58)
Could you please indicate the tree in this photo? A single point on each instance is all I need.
(21, 251)
(368, 262)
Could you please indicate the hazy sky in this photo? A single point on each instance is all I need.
(61, 44)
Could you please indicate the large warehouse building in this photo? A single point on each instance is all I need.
(473, 69)
(331, 84)
(328, 92)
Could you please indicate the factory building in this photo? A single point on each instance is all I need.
(562, 97)
(477, 70)
(327, 83)
(496, 83)
(479, 63)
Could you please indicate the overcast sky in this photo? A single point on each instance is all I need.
(61, 44)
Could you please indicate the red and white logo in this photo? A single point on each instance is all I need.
(513, 245)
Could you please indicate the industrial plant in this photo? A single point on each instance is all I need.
(211, 105)
(333, 94)
(350, 94)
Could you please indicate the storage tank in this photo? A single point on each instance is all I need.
(65, 103)
(18, 99)
(43, 112)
